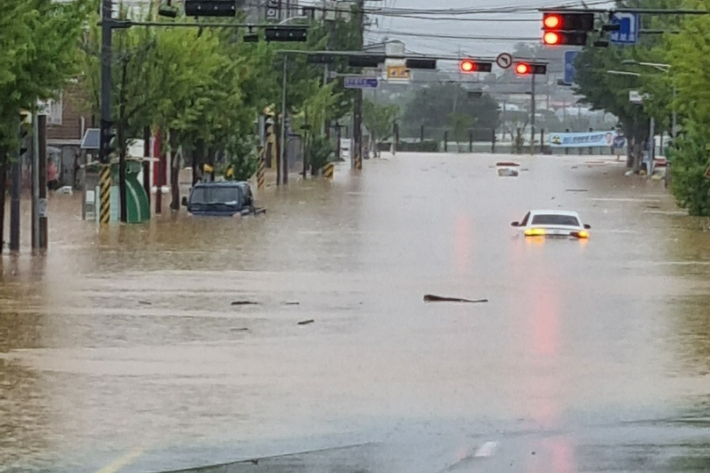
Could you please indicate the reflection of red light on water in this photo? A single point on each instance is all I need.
(462, 245)
(545, 322)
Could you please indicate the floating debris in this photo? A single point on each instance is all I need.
(306, 322)
(244, 303)
(433, 298)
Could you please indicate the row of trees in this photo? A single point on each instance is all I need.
(38, 56)
(207, 86)
(687, 52)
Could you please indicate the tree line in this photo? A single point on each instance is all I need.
(684, 87)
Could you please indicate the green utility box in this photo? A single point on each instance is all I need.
(136, 198)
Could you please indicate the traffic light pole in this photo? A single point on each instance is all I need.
(532, 115)
(16, 175)
(104, 156)
(357, 111)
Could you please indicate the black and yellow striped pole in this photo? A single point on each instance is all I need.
(261, 170)
(328, 170)
(105, 194)
(358, 160)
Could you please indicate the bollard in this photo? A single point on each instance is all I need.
(470, 141)
(446, 141)
(328, 170)
(566, 149)
(105, 194)
(261, 171)
(421, 134)
(542, 141)
(591, 150)
(493, 140)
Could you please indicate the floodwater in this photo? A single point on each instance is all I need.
(121, 350)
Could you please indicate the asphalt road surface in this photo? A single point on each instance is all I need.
(121, 350)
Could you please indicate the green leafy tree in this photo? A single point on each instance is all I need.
(38, 55)
(460, 124)
(379, 119)
(431, 107)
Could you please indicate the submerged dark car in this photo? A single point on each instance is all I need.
(221, 199)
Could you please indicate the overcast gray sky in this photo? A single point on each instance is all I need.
(414, 31)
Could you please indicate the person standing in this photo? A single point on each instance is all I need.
(52, 175)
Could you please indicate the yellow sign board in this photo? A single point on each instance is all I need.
(398, 73)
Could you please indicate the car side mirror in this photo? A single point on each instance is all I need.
(588, 227)
(515, 224)
(184, 201)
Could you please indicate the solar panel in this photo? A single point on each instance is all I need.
(91, 139)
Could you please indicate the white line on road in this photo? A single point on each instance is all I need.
(486, 450)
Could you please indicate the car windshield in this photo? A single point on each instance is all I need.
(551, 219)
(215, 195)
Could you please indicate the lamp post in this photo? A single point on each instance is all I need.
(652, 125)
(665, 68)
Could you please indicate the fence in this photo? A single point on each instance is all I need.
(486, 140)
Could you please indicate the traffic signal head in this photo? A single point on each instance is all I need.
(210, 8)
(524, 68)
(468, 66)
(568, 29)
(423, 63)
(365, 61)
(559, 21)
(286, 34)
(567, 38)
(107, 141)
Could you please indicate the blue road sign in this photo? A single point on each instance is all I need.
(360, 82)
(629, 27)
(569, 66)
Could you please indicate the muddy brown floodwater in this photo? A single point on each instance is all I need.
(125, 343)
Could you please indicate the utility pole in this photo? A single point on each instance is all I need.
(42, 171)
(282, 164)
(106, 125)
(16, 174)
(532, 115)
(357, 112)
(35, 181)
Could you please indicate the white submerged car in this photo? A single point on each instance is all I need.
(553, 223)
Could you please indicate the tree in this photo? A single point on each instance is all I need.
(379, 119)
(687, 53)
(431, 107)
(460, 124)
(604, 91)
(38, 56)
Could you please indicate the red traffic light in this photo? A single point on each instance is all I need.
(522, 68)
(551, 38)
(467, 66)
(552, 21)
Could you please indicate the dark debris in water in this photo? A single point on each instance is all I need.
(244, 303)
(433, 298)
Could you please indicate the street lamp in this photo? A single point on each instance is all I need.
(665, 68)
(652, 126)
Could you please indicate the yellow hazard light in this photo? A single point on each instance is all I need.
(535, 232)
(583, 234)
